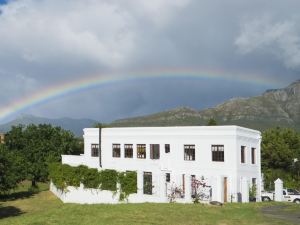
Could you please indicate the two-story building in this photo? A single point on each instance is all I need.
(226, 158)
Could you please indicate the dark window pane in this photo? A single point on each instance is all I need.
(253, 155)
(243, 150)
(95, 150)
(147, 183)
(168, 177)
(154, 151)
(167, 148)
(128, 150)
(189, 152)
(141, 151)
(116, 150)
(217, 153)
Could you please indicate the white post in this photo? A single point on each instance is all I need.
(140, 183)
(245, 190)
(188, 188)
(278, 190)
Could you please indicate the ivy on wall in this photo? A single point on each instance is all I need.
(63, 175)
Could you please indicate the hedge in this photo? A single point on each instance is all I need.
(63, 175)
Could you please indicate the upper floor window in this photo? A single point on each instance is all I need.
(217, 153)
(189, 152)
(167, 148)
(116, 150)
(128, 151)
(154, 151)
(243, 154)
(141, 151)
(95, 150)
(253, 155)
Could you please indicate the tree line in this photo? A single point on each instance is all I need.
(28, 151)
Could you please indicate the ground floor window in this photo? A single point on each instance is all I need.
(147, 188)
(168, 177)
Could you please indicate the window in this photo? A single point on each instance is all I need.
(154, 151)
(141, 151)
(253, 182)
(253, 155)
(128, 151)
(167, 148)
(94, 150)
(217, 153)
(168, 177)
(147, 188)
(189, 152)
(116, 150)
(243, 151)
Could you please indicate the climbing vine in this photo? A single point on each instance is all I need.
(63, 175)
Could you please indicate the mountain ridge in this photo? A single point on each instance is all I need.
(275, 107)
(74, 125)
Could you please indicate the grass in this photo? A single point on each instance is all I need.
(45, 208)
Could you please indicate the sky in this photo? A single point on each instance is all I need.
(233, 44)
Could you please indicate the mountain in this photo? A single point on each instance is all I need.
(74, 125)
(276, 107)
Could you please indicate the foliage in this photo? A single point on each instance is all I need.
(63, 176)
(108, 179)
(280, 148)
(91, 178)
(211, 122)
(128, 182)
(252, 191)
(40, 145)
(11, 170)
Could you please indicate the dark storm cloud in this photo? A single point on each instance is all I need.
(47, 42)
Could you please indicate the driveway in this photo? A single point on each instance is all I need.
(279, 212)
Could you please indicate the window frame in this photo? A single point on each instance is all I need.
(189, 152)
(116, 150)
(253, 156)
(218, 153)
(243, 154)
(167, 148)
(153, 154)
(128, 151)
(140, 154)
(94, 150)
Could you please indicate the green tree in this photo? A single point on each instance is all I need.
(280, 148)
(211, 122)
(11, 170)
(40, 145)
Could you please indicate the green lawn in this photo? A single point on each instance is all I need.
(45, 208)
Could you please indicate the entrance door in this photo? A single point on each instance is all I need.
(147, 183)
(225, 189)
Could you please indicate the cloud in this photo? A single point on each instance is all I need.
(280, 39)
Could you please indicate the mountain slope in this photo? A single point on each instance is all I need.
(278, 107)
(74, 125)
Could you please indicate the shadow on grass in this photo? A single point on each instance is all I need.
(9, 211)
(16, 195)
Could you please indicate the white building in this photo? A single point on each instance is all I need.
(226, 158)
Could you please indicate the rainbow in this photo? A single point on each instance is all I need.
(90, 82)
